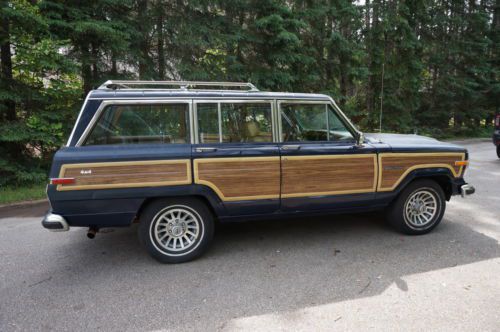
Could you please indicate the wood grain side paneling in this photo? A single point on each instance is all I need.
(395, 166)
(126, 174)
(328, 175)
(242, 178)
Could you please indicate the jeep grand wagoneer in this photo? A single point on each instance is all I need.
(176, 156)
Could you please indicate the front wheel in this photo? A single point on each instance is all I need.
(419, 208)
(176, 230)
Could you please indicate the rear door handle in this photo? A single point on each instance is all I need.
(290, 147)
(206, 149)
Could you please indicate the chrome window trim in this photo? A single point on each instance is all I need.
(274, 121)
(78, 119)
(219, 101)
(193, 112)
(106, 103)
(191, 123)
(327, 123)
(219, 119)
(330, 102)
(194, 121)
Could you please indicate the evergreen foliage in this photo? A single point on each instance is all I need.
(426, 66)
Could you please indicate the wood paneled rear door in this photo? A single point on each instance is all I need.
(246, 177)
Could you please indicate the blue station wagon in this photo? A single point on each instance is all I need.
(178, 156)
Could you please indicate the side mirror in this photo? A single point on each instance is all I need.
(361, 140)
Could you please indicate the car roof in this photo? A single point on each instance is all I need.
(151, 93)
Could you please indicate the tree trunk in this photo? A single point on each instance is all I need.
(95, 66)
(367, 15)
(6, 68)
(86, 70)
(114, 67)
(370, 42)
(161, 46)
(143, 43)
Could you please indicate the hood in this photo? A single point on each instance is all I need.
(401, 141)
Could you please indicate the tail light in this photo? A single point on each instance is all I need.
(497, 120)
(62, 181)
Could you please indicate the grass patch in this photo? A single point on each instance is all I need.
(18, 194)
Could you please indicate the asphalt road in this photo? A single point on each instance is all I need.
(341, 272)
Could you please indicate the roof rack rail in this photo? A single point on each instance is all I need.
(179, 85)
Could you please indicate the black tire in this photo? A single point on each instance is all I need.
(153, 229)
(498, 151)
(407, 221)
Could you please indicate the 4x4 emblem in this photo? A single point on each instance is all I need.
(85, 171)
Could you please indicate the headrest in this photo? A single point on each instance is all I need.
(252, 128)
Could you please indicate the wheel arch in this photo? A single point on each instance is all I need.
(215, 207)
(442, 176)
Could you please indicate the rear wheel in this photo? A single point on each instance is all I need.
(176, 230)
(498, 151)
(419, 208)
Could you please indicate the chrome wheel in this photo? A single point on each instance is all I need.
(176, 229)
(421, 208)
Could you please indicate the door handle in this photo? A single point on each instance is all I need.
(206, 149)
(290, 147)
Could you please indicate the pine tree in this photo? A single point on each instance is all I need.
(98, 31)
(38, 89)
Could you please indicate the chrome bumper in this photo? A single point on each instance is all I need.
(55, 223)
(466, 190)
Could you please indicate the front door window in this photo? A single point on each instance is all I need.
(306, 122)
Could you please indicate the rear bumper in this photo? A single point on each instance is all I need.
(496, 137)
(55, 223)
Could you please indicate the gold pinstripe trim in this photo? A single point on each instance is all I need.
(461, 155)
(337, 192)
(197, 179)
(186, 162)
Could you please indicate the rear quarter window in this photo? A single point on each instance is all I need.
(139, 124)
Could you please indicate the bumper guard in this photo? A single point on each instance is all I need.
(55, 223)
(466, 190)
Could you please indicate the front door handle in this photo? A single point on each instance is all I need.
(290, 147)
(206, 149)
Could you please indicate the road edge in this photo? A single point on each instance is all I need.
(23, 204)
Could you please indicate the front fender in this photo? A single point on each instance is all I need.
(442, 175)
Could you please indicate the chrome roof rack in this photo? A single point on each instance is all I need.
(178, 85)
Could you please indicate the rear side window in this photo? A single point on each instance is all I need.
(136, 124)
(208, 123)
(234, 122)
